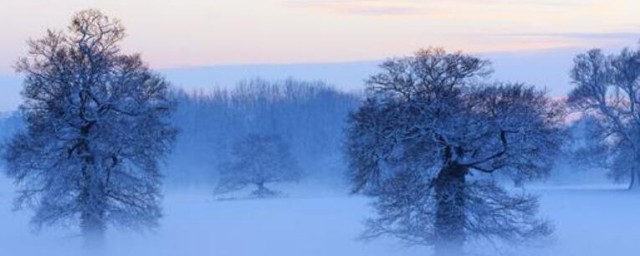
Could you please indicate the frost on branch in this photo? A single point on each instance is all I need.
(97, 124)
(427, 139)
(258, 160)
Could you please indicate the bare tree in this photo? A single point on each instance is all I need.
(607, 90)
(97, 124)
(310, 115)
(426, 127)
(258, 160)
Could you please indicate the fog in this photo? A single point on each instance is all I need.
(313, 220)
(318, 215)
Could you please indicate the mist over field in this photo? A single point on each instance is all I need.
(316, 215)
(312, 128)
(316, 220)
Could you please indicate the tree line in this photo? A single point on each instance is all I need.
(308, 117)
(423, 141)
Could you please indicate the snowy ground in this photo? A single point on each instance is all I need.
(589, 221)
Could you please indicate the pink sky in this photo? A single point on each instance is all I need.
(182, 33)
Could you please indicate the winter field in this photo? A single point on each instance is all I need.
(317, 221)
(320, 128)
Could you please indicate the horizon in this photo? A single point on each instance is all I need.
(319, 127)
(547, 70)
(199, 45)
(192, 33)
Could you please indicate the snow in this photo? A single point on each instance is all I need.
(315, 220)
(592, 220)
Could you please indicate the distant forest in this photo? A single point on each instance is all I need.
(308, 116)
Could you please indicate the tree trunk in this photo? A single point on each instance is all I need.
(450, 215)
(92, 203)
(263, 191)
(634, 184)
(91, 200)
(93, 229)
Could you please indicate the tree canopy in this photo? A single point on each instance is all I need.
(429, 124)
(98, 122)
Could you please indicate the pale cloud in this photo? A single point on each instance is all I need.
(579, 40)
(605, 36)
(175, 33)
(362, 7)
(417, 7)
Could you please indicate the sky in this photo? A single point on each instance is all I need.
(531, 40)
(186, 33)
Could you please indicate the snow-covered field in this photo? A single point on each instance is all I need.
(590, 221)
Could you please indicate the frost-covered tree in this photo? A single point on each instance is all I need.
(425, 135)
(97, 124)
(258, 160)
(585, 145)
(10, 123)
(607, 89)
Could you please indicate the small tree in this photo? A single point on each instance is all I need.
(586, 144)
(258, 160)
(426, 127)
(97, 124)
(607, 90)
